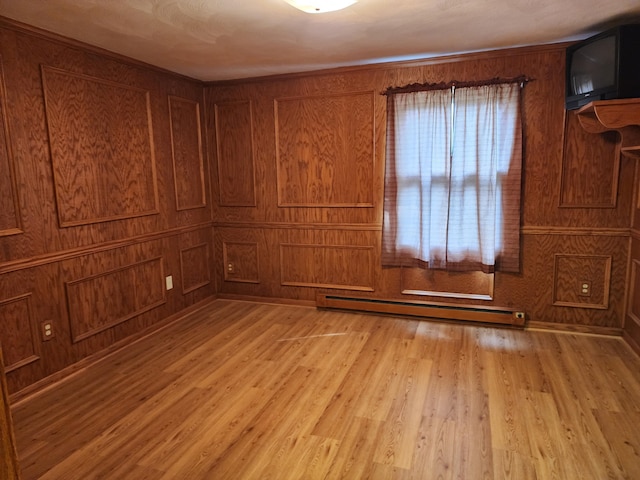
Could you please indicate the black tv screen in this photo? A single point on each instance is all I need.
(604, 67)
(594, 66)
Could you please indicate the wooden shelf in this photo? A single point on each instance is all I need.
(622, 116)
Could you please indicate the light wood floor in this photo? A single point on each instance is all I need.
(252, 391)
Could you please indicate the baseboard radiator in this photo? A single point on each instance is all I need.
(444, 311)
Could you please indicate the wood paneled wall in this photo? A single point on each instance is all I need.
(104, 192)
(314, 145)
(106, 181)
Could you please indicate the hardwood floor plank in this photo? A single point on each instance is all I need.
(244, 390)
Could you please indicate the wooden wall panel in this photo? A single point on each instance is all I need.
(10, 222)
(345, 267)
(102, 148)
(186, 146)
(235, 153)
(19, 338)
(99, 302)
(555, 277)
(325, 150)
(582, 281)
(9, 469)
(95, 176)
(195, 267)
(590, 167)
(634, 291)
(240, 262)
(439, 283)
(298, 202)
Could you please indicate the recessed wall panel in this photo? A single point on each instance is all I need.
(102, 149)
(194, 265)
(582, 281)
(325, 150)
(347, 267)
(634, 291)
(19, 337)
(99, 302)
(10, 222)
(235, 151)
(186, 147)
(241, 262)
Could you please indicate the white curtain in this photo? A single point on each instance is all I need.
(452, 183)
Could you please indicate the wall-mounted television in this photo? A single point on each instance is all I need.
(604, 67)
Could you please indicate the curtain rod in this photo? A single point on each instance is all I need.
(423, 87)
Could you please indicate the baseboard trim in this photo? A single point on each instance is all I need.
(568, 328)
(266, 300)
(49, 381)
(631, 342)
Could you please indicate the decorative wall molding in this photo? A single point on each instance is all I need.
(572, 271)
(10, 216)
(194, 267)
(62, 255)
(241, 262)
(633, 309)
(20, 339)
(102, 148)
(186, 150)
(99, 302)
(345, 267)
(235, 153)
(325, 150)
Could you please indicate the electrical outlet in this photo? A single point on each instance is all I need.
(47, 331)
(169, 282)
(584, 289)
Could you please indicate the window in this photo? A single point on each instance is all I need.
(453, 178)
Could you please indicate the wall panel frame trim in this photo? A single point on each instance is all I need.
(634, 293)
(322, 143)
(9, 202)
(321, 266)
(595, 269)
(101, 146)
(183, 157)
(203, 276)
(86, 302)
(236, 153)
(30, 328)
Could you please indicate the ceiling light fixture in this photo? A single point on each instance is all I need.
(320, 6)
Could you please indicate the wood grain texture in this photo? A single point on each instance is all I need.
(186, 147)
(439, 283)
(325, 150)
(112, 96)
(102, 148)
(101, 301)
(240, 261)
(257, 391)
(571, 272)
(9, 468)
(235, 153)
(587, 157)
(10, 217)
(195, 266)
(346, 267)
(291, 208)
(20, 337)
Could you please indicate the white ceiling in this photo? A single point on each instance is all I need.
(231, 39)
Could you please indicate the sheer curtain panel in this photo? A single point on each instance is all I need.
(453, 178)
